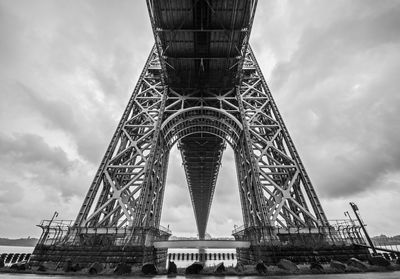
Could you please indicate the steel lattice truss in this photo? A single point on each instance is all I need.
(129, 185)
(282, 193)
(203, 91)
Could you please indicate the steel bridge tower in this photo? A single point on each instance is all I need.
(201, 88)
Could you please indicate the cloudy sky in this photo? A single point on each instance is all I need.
(67, 69)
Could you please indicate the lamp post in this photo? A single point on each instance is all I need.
(355, 209)
(52, 218)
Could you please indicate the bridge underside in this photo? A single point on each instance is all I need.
(201, 42)
(201, 154)
(201, 45)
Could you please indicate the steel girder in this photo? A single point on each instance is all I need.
(273, 184)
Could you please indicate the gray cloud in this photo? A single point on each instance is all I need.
(27, 158)
(10, 193)
(323, 50)
(31, 150)
(62, 115)
(338, 88)
(79, 57)
(36, 178)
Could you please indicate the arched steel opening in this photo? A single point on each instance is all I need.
(201, 134)
(201, 120)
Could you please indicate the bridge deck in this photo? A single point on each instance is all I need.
(201, 41)
(201, 156)
(201, 45)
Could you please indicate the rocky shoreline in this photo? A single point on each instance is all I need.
(284, 267)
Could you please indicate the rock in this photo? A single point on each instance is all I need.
(386, 256)
(76, 267)
(172, 269)
(95, 268)
(24, 265)
(379, 260)
(14, 266)
(316, 266)
(357, 264)
(149, 268)
(287, 265)
(338, 265)
(20, 266)
(239, 267)
(49, 266)
(219, 268)
(122, 268)
(315, 257)
(67, 267)
(194, 268)
(261, 268)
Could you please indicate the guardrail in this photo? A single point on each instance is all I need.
(62, 232)
(338, 232)
(164, 229)
(12, 258)
(56, 223)
(238, 229)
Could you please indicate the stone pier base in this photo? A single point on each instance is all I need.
(272, 254)
(110, 256)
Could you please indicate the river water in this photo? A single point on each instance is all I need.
(15, 249)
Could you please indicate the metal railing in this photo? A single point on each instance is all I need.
(338, 232)
(164, 229)
(53, 231)
(63, 232)
(238, 229)
(58, 223)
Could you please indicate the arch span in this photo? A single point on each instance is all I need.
(201, 120)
